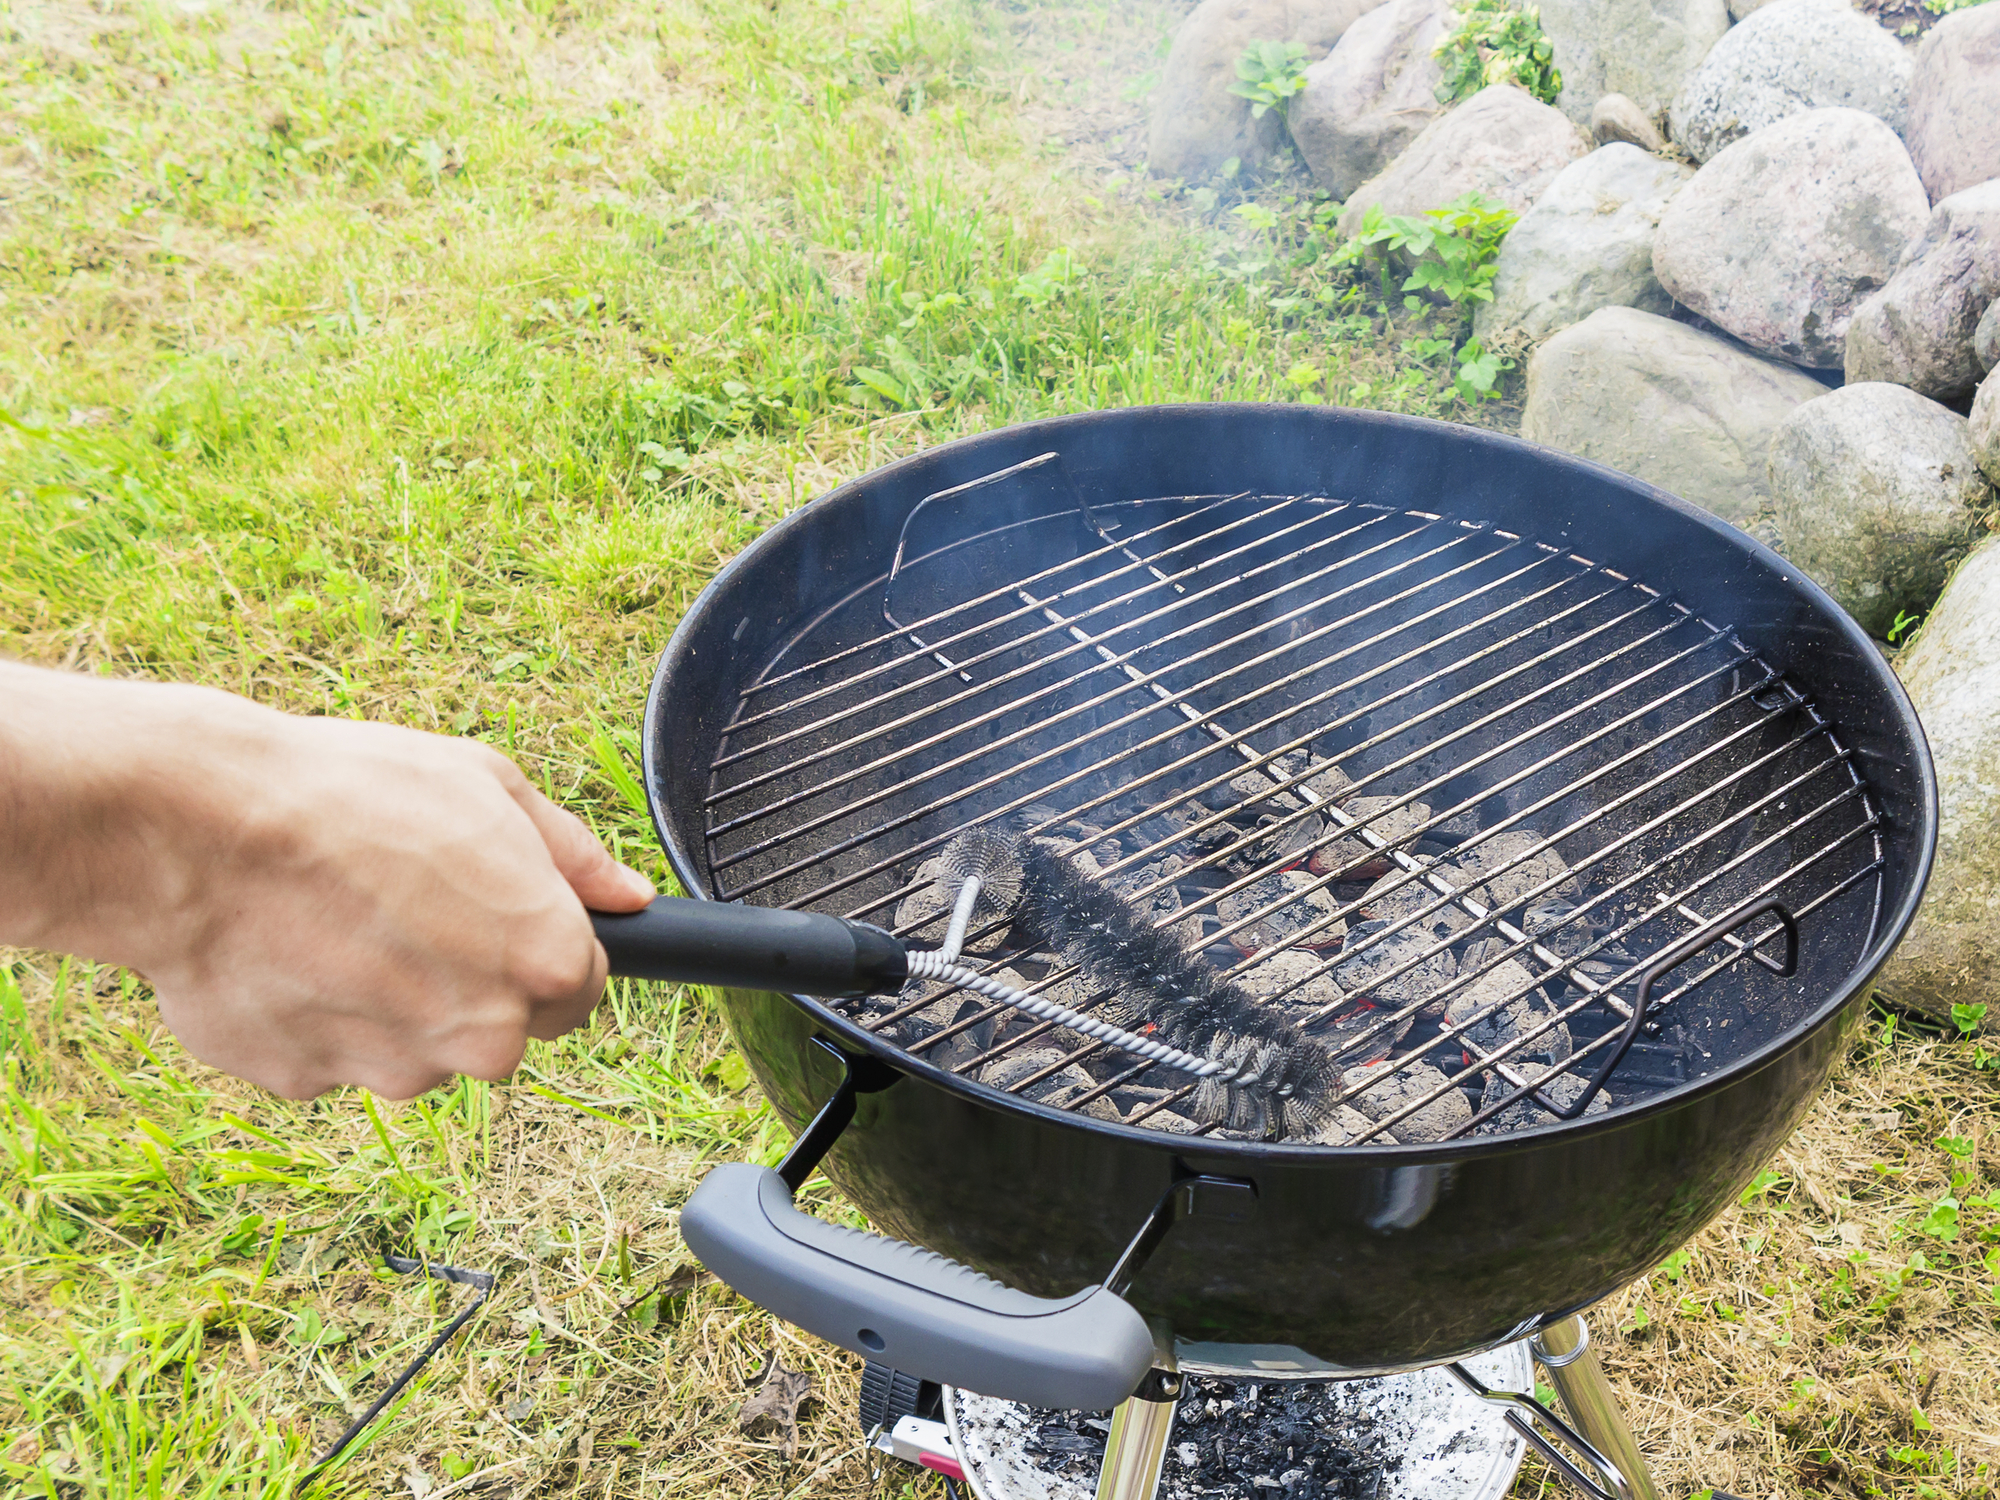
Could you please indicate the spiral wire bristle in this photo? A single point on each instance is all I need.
(1254, 1065)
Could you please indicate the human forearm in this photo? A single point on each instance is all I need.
(100, 819)
(316, 901)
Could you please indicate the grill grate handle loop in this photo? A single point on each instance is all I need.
(1702, 937)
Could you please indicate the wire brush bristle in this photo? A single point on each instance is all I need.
(1273, 1076)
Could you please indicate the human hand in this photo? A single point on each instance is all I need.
(315, 901)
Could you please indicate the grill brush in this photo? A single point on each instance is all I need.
(1251, 1067)
(1251, 1063)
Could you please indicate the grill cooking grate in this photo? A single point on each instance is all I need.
(1436, 792)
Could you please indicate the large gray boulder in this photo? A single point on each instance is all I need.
(1918, 329)
(1986, 338)
(1640, 48)
(1982, 429)
(1371, 95)
(1952, 953)
(1781, 235)
(1501, 142)
(1874, 488)
(1197, 123)
(1790, 56)
(1954, 128)
(1587, 243)
(1679, 408)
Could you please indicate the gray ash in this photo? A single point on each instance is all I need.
(1289, 1440)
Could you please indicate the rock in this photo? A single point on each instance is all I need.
(1983, 429)
(1986, 338)
(1783, 234)
(1679, 408)
(1791, 56)
(1501, 142)
(1874, 486)
(1954, 129)
(1369, 97)
(1918, 329)
(1639, 48)
(1952, 953)
(1587, 243)
(1738, 9)
(1197, 123)
(1616, 118)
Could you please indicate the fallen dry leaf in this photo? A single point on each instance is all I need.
(774, 1409)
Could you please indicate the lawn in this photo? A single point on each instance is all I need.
(421, 362)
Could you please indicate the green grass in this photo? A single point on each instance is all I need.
(422, 363)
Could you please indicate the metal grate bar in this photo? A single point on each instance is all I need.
(892, 637)
(1013, 771)
(1661, 779)
(1613, 1002)
(1186, 673)
(1173, 581)
(1465, 979)
(1663, 905)
(1088, 642)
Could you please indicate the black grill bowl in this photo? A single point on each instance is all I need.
(1367, 1258)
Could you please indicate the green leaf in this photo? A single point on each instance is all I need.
(1942, 1221)
(1959, 1146)
(880, 382)
(1967, 1018)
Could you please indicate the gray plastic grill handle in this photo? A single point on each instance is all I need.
(910, 1309)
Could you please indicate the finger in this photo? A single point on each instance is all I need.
(554, 1017)
(403, 1083)
(600, 882)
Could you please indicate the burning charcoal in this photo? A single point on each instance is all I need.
(1163, 904)
(1361, 1032)
(1293, 979)
(1392, 968)
(1326, 781)
(1568, 931)
(1252, 793)
(1092, 841)
(1284, 908)
(1349, 1124)
(1401, 894)
(1468, 870)
(1064, 1097)
(1402, 1086)
(1526, 1009)
(1005, 1072)
(1524, 1114)
(1397, 824)
(1289, 842)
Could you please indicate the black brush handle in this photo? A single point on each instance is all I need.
(751, 948)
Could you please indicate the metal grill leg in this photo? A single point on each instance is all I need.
(1564, 1352)
(1138, 1442)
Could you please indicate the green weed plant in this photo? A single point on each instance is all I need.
(1270, 75)
(1496, 41)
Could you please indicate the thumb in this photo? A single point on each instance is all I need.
(600, 882)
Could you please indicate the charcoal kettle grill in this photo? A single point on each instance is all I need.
(1574, 820)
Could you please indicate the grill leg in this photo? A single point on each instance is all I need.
(1564, 1352)
(1138, 1442)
